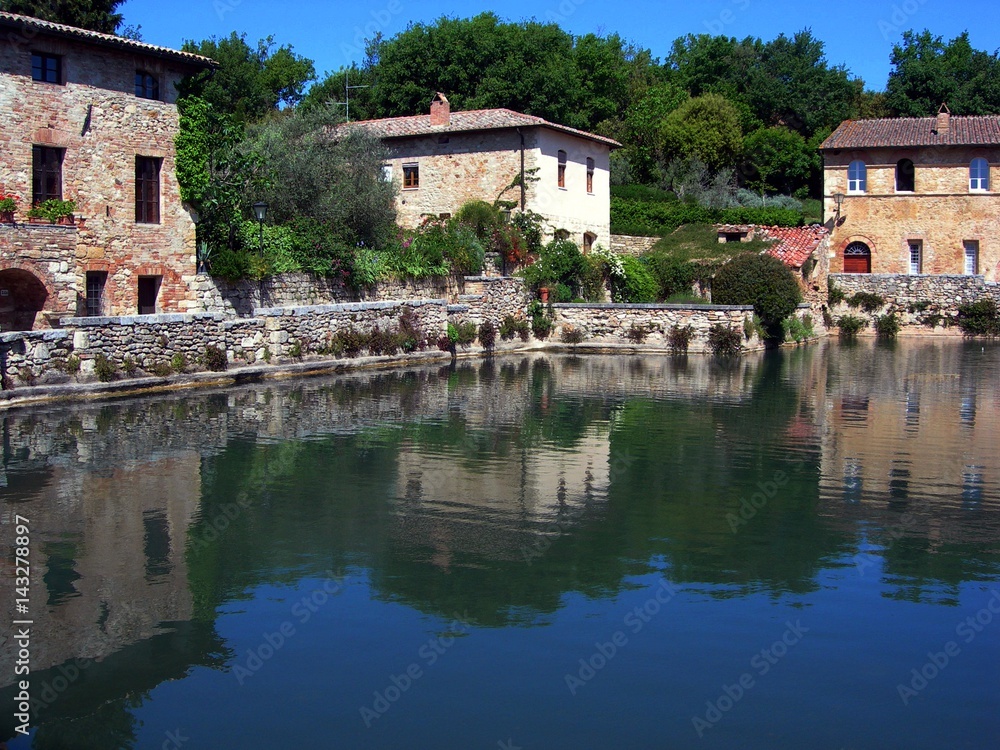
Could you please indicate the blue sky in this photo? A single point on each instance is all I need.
(858, 33)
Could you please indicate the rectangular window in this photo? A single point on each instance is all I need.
(562, 169)
(147, 190)
(146, 85)
(46, 68)
(588, 242)
(386, 173)
(149, 288)
(916, 258)
(590, 175)
(411, 176)
(971, 257)
(95, 292)
(46, 173)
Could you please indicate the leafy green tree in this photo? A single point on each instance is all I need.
(250, 82)
(706, 127)
(778, 160)
(643, 128)
(927, 72)
(333, 90)
(96, 15)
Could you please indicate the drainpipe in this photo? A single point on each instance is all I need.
(522, 167)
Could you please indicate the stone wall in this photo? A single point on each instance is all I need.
(611, 323)
(152, 342)
(625, 244)
(101, 126)
(922, 302)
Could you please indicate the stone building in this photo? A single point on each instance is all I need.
(445, 159)
(91, 118)
(914, 195)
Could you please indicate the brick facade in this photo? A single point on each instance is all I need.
(95, 117)
(939, 215)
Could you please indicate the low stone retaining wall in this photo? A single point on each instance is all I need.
(924, 303)
(611, 323)
(625, 244)
(154, 343)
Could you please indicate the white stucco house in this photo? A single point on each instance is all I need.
(444, 159)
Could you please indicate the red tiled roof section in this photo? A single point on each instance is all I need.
(36, 24)
(793, 245)
(473, 120)
(918, 131)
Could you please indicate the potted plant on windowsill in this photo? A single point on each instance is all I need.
(8, 206)
(54, 211)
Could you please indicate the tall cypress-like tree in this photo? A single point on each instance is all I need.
(96, 15)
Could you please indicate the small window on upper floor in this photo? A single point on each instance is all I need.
(590, 175)
(46, 68)
(146, 85)
(857, 177)
(979, 175)
(411, 176)
(906, 178)
(562, 169)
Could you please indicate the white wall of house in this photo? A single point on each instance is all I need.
(572, 208)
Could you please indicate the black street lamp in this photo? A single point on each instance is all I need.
(260, 211)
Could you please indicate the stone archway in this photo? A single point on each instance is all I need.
(22, 297)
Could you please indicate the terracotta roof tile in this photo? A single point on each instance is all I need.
(472, 120)
(793, 245)
(915, 131)
(13, 19)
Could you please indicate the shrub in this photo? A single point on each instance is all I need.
(382, 342)
(295, 350)
(411, 335)
(639, 284)
(178, 362)
(104, 368)
(160, 369)
(72, 366)
(980, 318)
(481, 217)
(797, 330)
(867, 301)
(725, 341)
(751, 326)
(26, 375)
(129, 367)
(511, 327)
(679, 339)
(560, 263)
(215, 359)
(463, 332)
(887, 326)
(919, 307)
(673, 275)
(850, 326)
(541, 324)
(571, 335)
(762, 281)
(488, 334)
(351, 341)
(445, 344)
(637, 334)
(834, 295)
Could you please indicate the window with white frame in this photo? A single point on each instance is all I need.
(857, 177)
(386, 173)
(979, 175)
(971, 257)
(916, 257)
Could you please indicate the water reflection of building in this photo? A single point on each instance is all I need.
(922, 440)
(107, 557)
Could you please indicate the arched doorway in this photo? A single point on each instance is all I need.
(857, 258)
(22, 297)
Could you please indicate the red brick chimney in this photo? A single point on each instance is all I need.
(943, 120)
(440, 110)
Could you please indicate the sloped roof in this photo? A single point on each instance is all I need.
(793, 245)
(914, 131)
(107, 40)
(472, 120)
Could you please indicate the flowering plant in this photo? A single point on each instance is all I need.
(8, 201)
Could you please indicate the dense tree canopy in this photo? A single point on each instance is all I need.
(252, 81)
(706, 127)
(927, 72)
(96, 15)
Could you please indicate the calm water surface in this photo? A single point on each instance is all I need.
(797, 550)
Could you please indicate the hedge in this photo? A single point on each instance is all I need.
(657, 218)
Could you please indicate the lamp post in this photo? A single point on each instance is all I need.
(838, 198)
(260, 211)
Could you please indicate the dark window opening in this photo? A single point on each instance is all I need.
(156, 543)
(146, 85)
(149, 288)
(46, 68)
(95, 292)
(147, 190)
(906, 179)
(46, 174)
(562, 169)
(590, 175)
